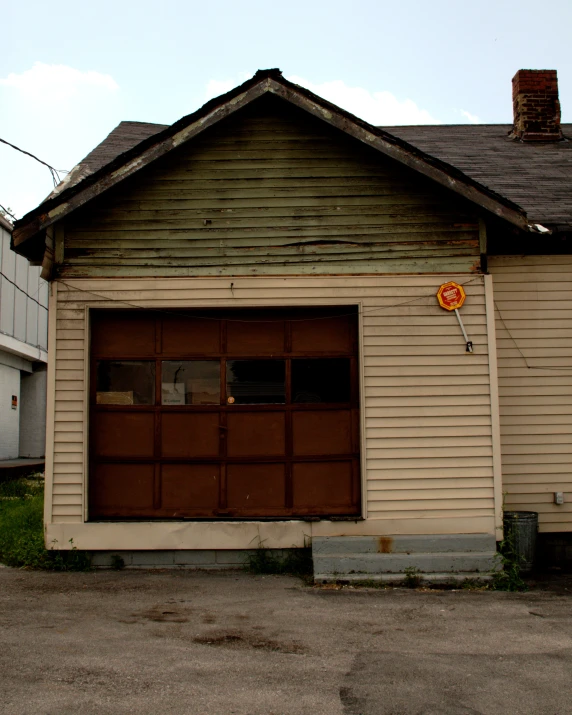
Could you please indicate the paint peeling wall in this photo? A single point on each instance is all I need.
(272, 190)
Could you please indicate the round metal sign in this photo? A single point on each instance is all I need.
(451, 296)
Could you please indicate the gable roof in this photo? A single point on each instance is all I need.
(82, 187)
(536, 176)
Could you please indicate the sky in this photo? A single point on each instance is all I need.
(71, 71)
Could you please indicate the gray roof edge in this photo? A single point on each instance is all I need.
(6, 224)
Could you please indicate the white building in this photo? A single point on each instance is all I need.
(23, 353)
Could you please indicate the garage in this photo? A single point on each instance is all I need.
(229, 414)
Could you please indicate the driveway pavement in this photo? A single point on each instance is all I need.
(200, 643)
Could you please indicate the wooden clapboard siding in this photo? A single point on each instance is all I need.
(533, 295)
(426, 402)
(273, 191)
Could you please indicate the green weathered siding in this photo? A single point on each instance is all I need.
(272, 190)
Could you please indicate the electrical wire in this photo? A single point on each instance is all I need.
(234, 320)
(23, 291)
(522, 355)
(54, 172)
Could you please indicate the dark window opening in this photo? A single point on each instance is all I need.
(252, 382)
(128, 382)
(321, 380)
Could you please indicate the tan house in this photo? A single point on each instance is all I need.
(246, 347)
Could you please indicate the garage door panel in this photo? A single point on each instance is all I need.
(189, 436)
(190, 489)
(255, 338)
(122, 334)
(224, 413)
(323, 335)
(322, 432)
(122, 434)
(182, 335)
(256, 486)
(253, 434)
(323, 487)
(121, 490)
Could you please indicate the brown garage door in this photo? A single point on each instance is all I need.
(236, 414)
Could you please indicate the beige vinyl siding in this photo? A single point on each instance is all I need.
(426, 406)
(272, 190)
(534, 297)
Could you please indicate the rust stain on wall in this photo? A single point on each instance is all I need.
(385, 545)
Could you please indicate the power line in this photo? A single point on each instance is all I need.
(522, 355)
(23, 291)
(233, 320)
(54, 172)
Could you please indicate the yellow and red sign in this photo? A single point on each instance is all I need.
(451, 296)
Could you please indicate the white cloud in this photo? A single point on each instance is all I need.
(56, 83)
(217, 87)
(473, 119)
(379, 108)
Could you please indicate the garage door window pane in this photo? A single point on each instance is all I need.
(320, 380)
(251, 382)
(191, 382)
(128, 382)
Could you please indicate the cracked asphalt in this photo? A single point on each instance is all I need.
(187, 642)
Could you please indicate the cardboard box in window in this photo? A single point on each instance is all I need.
(173, 393)
(203, 391)
(114, 398)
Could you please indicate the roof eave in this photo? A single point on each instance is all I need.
(6, 225)
(401, 151)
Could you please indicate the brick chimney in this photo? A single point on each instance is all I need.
(536, 106)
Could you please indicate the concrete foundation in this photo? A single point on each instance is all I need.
(215, 559)
(441, 558)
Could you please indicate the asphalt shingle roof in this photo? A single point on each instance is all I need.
(536, 176)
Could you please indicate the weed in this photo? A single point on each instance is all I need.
(474, 584)
(22, 531)
(508, 578)
(117, 563)
(20, 488)
(298, 562)
(295, 562)
(367, 583)
(413, 578)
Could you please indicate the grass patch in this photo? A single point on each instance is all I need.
(294, 562)
(22, 530)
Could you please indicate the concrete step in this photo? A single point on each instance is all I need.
(400, 578)
(440, 543)
(341, 565)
